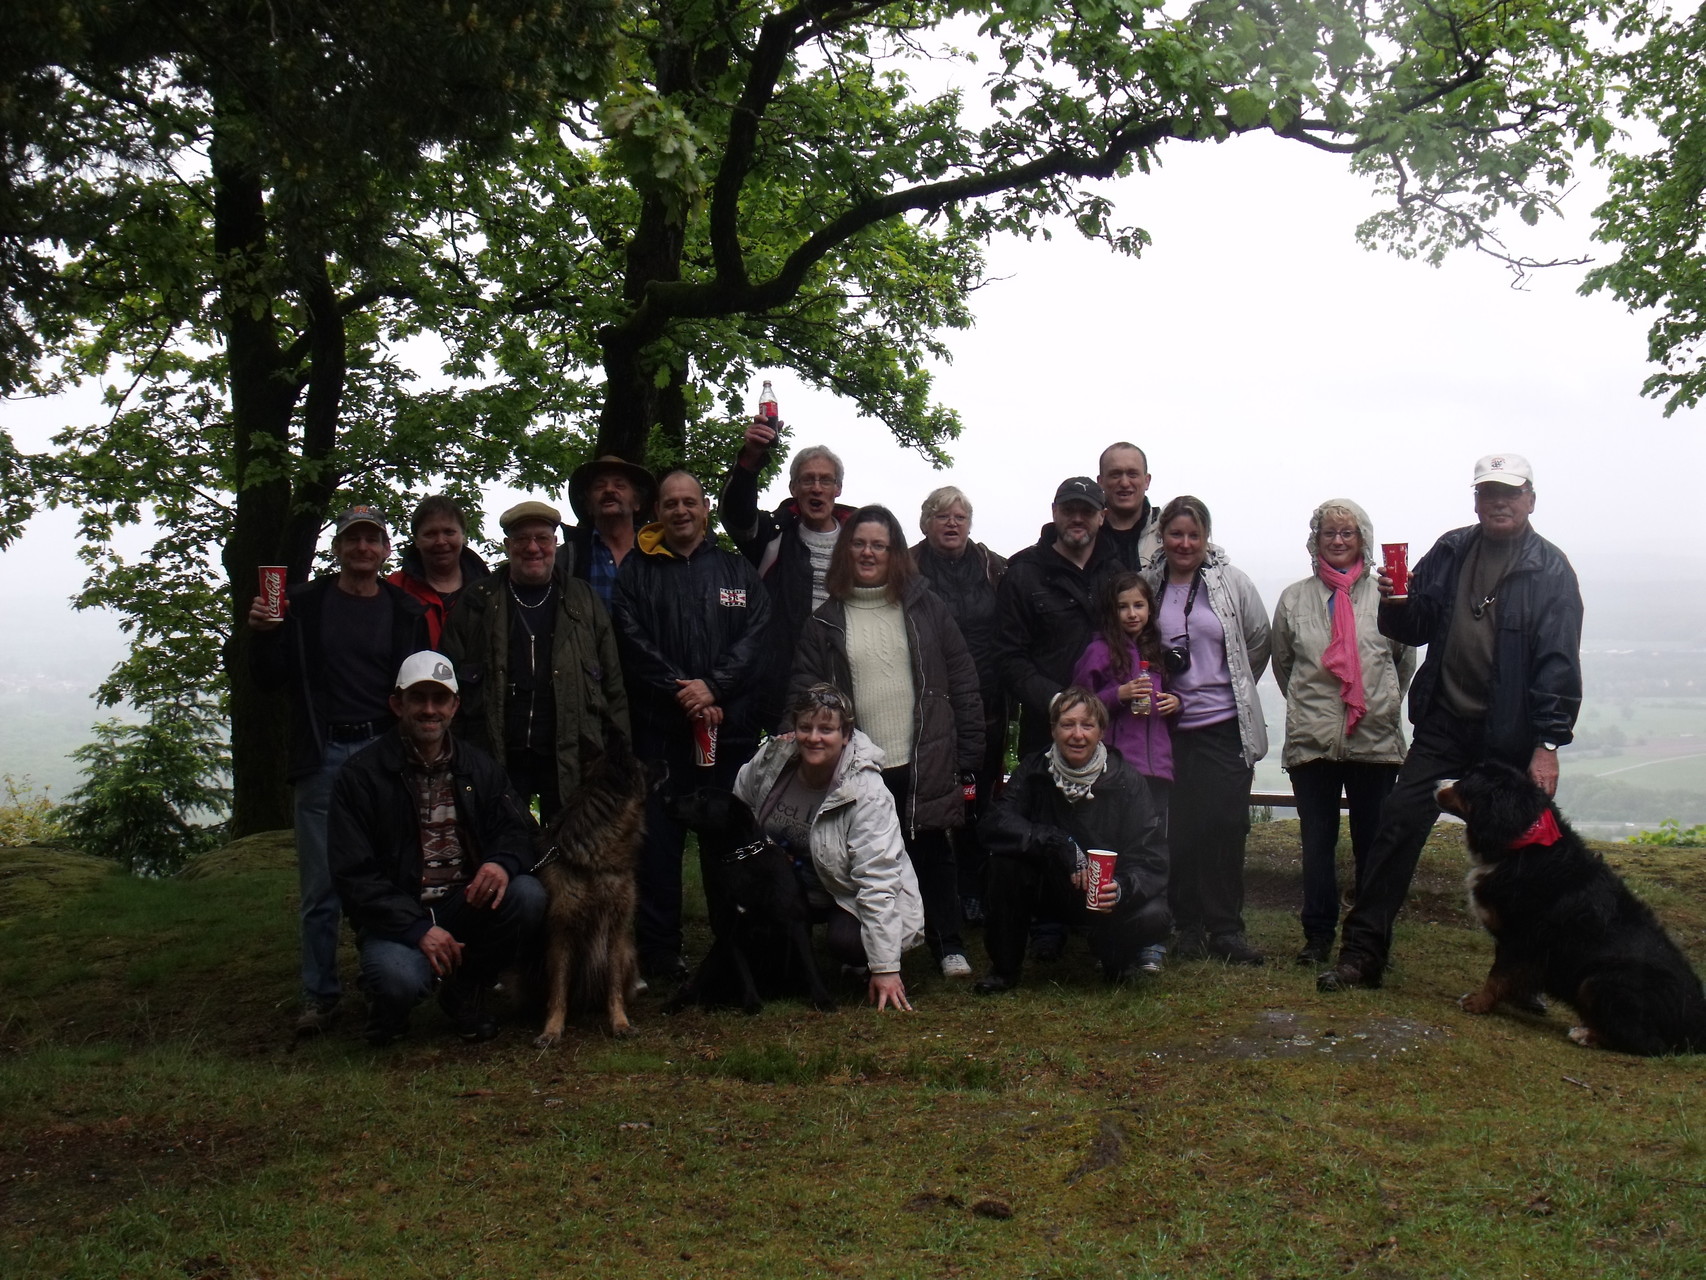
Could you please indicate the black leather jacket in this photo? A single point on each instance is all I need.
(1536, 687)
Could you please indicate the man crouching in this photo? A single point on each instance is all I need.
(429, 849)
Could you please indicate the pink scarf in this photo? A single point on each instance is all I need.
(1342, 657)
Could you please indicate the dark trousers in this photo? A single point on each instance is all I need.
(534, 773)
(1444, 746)
(933, 862)
(1317, 786)
(970, 859)
(1019, 886)
(1208, 820)
(657, 916)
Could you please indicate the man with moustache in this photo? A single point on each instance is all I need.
(541, 676)
(1047, 602)
(335, 652)
(438, 561)
(1132, 525)
(430, 850)
(694, 622)
(610, 496)
(1501, 614)
(790, 547)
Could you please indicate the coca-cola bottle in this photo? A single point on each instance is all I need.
(767, 403)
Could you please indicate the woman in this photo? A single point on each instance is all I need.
(438, 562)
(820, 795)
(884, 636)
(1073, 797)
(1344, 687)
(965, 575)
(1214, 635)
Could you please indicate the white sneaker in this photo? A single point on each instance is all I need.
(954, 965)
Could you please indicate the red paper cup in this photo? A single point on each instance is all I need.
(705, 741)
(1396, 556)
(272, 589)
(1101, 873)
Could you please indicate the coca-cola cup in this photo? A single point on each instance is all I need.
(272, 589)
(1101, 868)
(1396, 558)
(704, 742)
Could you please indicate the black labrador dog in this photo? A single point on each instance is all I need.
(759, 919)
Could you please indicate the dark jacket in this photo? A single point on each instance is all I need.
(970, 598)
(586, 671)
(771, 543)
(947, 714)
(412, 578)
(1121, 817)
(706, 617)
(1536, 687)
(373, 838)
(292, 657)
(1045, 612)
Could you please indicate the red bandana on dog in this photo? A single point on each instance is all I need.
(1544, 831)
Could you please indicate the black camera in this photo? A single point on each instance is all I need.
(1176, 659)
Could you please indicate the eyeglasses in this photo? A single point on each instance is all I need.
(1501, 493)
(1339, 535)
(533, 539)
(875, 548)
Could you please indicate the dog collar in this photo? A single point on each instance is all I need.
(1543, 832)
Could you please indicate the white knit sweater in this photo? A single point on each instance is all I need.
(881, 661)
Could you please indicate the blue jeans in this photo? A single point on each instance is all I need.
(321, 914)
(397, 976)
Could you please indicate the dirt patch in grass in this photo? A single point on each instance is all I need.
(1285, 1033)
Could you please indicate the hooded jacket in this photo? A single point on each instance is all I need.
(1244, 618)
(1536, 688)
(856, 845)
(1045, 612)
(413, 579)
(947, 714)
(586, 671)
(1120, 816)
(701, 617)
(1303, 627)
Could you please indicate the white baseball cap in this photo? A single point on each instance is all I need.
(426, 667)
(1504, 468)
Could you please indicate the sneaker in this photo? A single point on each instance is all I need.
(1347, 975)
(955, 965)
(1192, 944)
(315, 1018)
(1152, 959)
(1233, 949)
(465, 1005)
(1316, 952)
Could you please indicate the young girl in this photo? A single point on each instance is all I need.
(1110, 668)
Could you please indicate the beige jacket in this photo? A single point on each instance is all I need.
(1314, 712)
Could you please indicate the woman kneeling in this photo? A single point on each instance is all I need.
(1075, 796)
(820, 795)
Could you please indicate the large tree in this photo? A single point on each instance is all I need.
(206, 201)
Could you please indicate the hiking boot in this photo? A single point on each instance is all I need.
(1192, 944)
(1316, 952)
(992, 984)
(315, 1018)
(664, 968)
(1349, 974)
(955, 965)
(385, 1026)
(1233, 949)
(1152, 959)
(464, 1003)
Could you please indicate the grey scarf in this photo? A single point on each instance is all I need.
(1075, 784)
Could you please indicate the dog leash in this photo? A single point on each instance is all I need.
(748, 851)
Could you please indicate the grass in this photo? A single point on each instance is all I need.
(158, 1121)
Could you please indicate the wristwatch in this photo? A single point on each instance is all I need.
(1548, 746)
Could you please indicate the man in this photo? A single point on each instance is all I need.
(438, 562)
(1133, 525)
(1046, 606)
(694, 622)
(1500, 611)
(790, 547)
(430, 849)
(335, 650)
(541, 676)
(610, 497)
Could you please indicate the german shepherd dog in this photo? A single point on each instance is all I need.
(587, 859)
(760, 923)
(1564, 924)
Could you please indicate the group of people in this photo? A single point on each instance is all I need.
(856, 693)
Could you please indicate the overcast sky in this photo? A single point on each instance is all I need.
(1266, 363)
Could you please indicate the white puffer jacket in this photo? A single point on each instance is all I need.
(856, 846)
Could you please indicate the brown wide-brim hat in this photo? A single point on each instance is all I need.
(587, 472)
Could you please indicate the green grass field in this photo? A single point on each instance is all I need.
(157, 1120)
